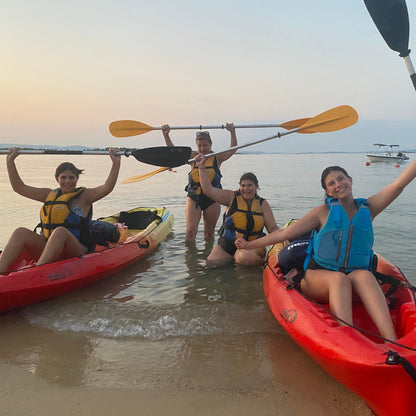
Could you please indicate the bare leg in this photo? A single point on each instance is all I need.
(193, 217)
(331, 287)
(250, 257)
(218, 256)
(211, 215)
(374, 301)
(21, 239)
(61, 244)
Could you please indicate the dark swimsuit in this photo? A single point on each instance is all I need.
(202, 201)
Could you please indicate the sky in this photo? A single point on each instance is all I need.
(69, 68)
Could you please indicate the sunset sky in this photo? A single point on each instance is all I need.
(69, 68)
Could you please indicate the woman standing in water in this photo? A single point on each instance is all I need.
(198, 204)
(341, 256)
(65, 216)
(246, 216)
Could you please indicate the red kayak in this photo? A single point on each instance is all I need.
(28, 284)
(382, 373)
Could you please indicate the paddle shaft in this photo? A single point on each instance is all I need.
(242, 146)
(64, 152)
(410, 69)
(222, 126)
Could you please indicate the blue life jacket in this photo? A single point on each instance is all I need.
(342, 244)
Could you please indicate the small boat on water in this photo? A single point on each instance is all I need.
(382, 373)
(387, 153)
(27, 283)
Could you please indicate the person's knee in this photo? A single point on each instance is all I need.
(60, 233)
(340, 280)
(21, 232)
(248, 258)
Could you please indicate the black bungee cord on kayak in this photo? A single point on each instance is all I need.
(393, 357)
(289, 286)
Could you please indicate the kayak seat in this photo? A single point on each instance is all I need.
(408, 318)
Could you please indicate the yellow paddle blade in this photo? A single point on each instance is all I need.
(145, 176)
(294, 124)
(127, 128)
(332, 120)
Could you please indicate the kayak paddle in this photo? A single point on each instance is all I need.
(137, 153)
(392, 21)
(332, 120)
(139, 178)
(127, 128)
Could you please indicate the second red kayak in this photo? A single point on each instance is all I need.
(381, 373)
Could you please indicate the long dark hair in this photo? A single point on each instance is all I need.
(330, 169)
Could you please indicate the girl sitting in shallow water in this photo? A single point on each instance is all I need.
(331, 276)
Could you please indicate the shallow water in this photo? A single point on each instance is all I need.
(168, 322)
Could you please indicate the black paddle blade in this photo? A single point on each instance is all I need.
(166, 156)
(392, 21)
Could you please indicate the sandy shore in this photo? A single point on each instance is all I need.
(44, 372)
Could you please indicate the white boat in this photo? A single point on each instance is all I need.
(387, 153)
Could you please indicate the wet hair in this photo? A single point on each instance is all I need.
(249, 177)
(330, 169)
(68, 166)
(203, 135)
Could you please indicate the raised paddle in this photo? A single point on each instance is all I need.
(332, 120)
(127, 128)
(139, 178)
(392, 20)
(137, 153)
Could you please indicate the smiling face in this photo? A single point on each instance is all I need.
(248, 189)
(203, 146)
(338, 185)
(67, 181)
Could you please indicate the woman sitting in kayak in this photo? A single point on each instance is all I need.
(246, 215)
(65, 215)
(341, 256)
(197, 203)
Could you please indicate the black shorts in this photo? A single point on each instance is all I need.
(313, 265)
(227, 245)
(202, 201)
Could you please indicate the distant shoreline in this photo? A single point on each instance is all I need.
(78, 147)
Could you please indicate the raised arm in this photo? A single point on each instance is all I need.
(223, 196)
(226, 155)
(388, 194)
(91, 195)
(31, 192)
(165, 132)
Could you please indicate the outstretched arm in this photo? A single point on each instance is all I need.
(387, 195)
(31, 192)
(165, 132)
(91, 195)
(307, 223)
(223, 196)
(226, 155)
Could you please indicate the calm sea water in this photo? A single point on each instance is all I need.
(170, 299)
